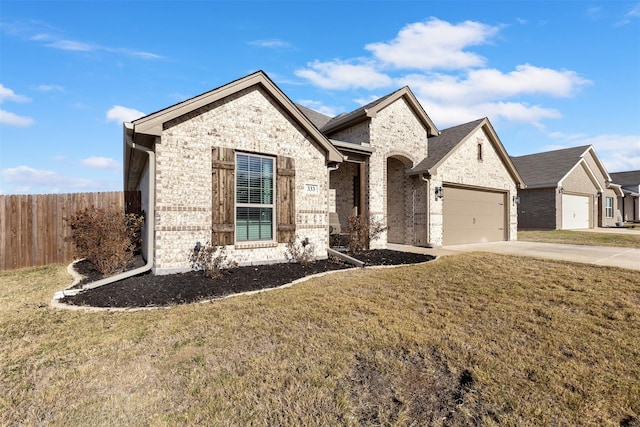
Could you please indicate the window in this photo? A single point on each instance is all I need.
(254, 197)
(608, 207)
(479, 149)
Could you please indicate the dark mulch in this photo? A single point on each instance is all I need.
(147, 290)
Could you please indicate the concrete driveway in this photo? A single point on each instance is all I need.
(598, 255)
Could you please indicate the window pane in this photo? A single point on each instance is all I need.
(241, 224)
(254, 186)
(266, 224)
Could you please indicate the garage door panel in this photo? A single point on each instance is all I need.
(473, 216)
(575, 212)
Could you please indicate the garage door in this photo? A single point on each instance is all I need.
(473, 216)
(575, 212)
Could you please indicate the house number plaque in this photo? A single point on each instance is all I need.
(312, 188)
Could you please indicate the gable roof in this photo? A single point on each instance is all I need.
(549, 168)
(626, 178)
(371, 110)
(317, 118)
(443, 145)
(152, 124)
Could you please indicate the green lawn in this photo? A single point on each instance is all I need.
(581, 238)
(472, 339)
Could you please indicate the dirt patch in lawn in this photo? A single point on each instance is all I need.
(148, 290)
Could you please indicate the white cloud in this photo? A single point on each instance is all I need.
(634, 13)
(72, 45)
(434, 44)
(51, 37)
(49, 88)
(271, 43)
(470, 91)
(25, 179)
(452, 114)
(344, 75)
(7, 94)
(12, 119)
(101, 163)
(319, 107)
(490, 84)
(120, 114)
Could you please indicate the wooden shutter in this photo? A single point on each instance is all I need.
(286, 194)
(223, 196)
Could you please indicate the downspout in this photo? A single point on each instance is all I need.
(150, 219)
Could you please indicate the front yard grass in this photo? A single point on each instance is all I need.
(471, 339)
(581, 238)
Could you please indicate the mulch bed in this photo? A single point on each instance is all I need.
(148, 290)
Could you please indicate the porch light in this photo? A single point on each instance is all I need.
(516, 200)
(197, 248)
(439, 192)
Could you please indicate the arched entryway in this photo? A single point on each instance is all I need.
(399, 200)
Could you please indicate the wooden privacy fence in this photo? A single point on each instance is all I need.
(34, 230)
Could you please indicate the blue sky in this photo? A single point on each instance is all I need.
(548, 74)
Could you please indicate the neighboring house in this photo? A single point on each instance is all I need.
(244, 167)
(630, 203)
(566, 189)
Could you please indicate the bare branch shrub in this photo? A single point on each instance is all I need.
(210, 259)
(301, 251)
(361, 231)
(106, 237)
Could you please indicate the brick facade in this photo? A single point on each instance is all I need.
(463, 167)
(247, 121)
(259, 119)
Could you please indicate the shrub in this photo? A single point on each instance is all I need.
(361, 231)
(301, 251)
(106, 237)
(210, 259)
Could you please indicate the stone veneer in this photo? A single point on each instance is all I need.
(464, 168)
(248, 121)
(395, 132)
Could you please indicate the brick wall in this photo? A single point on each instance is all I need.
(342, 182)
(395, 132)
(247, 121)
(463, 167)
(537, 208)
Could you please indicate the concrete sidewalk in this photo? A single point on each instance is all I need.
(598, 255)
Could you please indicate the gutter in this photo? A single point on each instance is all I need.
(150, 220)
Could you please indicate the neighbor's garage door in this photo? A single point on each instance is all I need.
(575, 212)
(473, 216)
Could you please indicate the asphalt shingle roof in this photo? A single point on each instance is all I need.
(359, 111)
(441, 145)
(548, 168)
(626, 178)
(318, 119)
